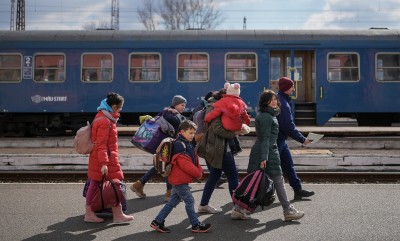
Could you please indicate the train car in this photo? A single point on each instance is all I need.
(53, 81)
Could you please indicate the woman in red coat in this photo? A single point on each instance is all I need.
(103, 159)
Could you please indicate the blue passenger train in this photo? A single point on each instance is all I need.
(53, 81)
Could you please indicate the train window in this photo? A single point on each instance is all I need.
(193, 67)
(275, 68)
(297, 68)
(241, 67)
(145, 67)
(388, 67)
(49, 67)
(97, 67)
(10, 68)
(343, 67)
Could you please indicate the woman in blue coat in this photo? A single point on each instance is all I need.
(265, 154)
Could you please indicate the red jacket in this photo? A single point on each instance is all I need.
(183, 170)
(233, 112)
(105, 149)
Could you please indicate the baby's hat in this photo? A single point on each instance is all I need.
(232, 89)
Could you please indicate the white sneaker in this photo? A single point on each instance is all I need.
(292, 214)
(236, 215)
(208, 209)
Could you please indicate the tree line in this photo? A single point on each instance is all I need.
(172, 15)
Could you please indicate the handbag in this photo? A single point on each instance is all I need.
(149, 136)
(108, 210)
(109, 194)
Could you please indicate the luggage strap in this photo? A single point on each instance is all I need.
(101, 190)
(255, 179)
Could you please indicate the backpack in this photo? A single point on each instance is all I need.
(83, 138)
(198, 119)
(266, 192)
(163, 156)
(245, 193)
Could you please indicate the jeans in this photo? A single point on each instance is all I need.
(149, 174)
(179, 192)
(288, 166)
(279, 184)
(229, 168)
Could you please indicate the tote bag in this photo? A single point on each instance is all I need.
(148, 136)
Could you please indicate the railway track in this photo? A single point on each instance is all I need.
(310, 177)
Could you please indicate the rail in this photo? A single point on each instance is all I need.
(310, 177)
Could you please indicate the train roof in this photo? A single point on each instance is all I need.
(191, 35)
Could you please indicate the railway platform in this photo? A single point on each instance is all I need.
(50, 212)
(329, 154)
(332, 129)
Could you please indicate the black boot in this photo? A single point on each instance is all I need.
(302, 193)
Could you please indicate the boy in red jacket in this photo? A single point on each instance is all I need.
(185, 168)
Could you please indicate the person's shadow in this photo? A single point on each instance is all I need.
(68, 229)
(73, 228)
(221, 226)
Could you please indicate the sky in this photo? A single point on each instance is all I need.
(259, 14)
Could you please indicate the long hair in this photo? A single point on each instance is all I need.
(265, 99)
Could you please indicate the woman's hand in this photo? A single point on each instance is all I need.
(263, 164)
(104, 170)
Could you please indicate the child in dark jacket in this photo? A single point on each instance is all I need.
(185, 168)
(173, 116)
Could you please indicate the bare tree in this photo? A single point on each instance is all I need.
(89, 25)
(147, 15)
(101, 24)
(181, 14)
(200, 14)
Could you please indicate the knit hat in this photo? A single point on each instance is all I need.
(285, 83)
(232, 89)
(178, 99)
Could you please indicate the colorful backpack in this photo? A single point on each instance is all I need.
(162, 157)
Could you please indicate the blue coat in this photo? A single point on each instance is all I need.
(285, 119)
(265, 147)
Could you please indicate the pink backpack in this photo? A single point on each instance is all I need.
(83, 138)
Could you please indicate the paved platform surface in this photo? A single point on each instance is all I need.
(52, 212)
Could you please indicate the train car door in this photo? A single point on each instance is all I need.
(297, 65)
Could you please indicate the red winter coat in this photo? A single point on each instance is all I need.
(105, 149)
(183, 170)
(233, 112)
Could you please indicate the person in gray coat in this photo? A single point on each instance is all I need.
(265, 154)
